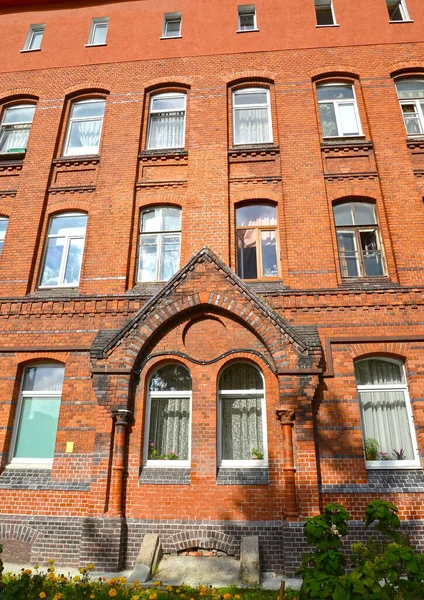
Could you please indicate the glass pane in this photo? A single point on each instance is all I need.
(171, 378)
(173, 28)
(347, 254)
(19, 114)
(151, 220)
(171, 219)
(36, 38)
(52, 261)
(73, 263)
(269, 254)
(343, 214)
(37, 428)
(256, 97)
(241, 376)
(99, 33)
(385, 419)
(241, 428)
(246, 254)
(14, 138)
(169, 429)
(84, 137)
(325, 16)
(170, 260)
(335, 92)
(43, 379)
(378, 372)
(84, 110)
(68, 225)
(371, 254)
(411, 119)
(410, 88)
(3, 227)
(328, 120)
(348, 119)
(364, 213)
(395, 11)
(147, 258)
(256, 215)
(1, 245)
(168, 103)
(247, 22)
(166, 130)
(251, 126)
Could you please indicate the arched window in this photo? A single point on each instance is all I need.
(159, 243)
(37, 414)
(411, 98)
(64, 249)
(168, 418)
(4, 221)
(84, 127)
(358, 238)
(252, 122)
(338, 110)
(167, 121)
(389, 436)
(15, 127)
(242, 416)
(257, 248)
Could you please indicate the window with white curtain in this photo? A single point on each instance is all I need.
(64, 250)
(37, 416)
(4, 221)
(159, 243)
(15, 127)
(167, 121)
(242, 419)
(252, 116)
(85, 127)
(386, 416)
(168, 417)
(411, 98)
(257, 247)
(338, 110)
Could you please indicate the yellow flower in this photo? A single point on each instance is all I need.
(42, 595)
(77, 578)
(82, 570)
(112, 592)
(51, 569)
(92, 596)
(156, 583)
(122, 580)
(227, 596)
(90, 566)
(112, 581)
(51, 561)
(169, 588)
(237, 596)
(27, 572)
(153, 596)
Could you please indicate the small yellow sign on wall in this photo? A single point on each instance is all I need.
(69, 446)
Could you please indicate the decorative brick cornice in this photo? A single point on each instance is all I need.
(8, 193)
(163, 155)
(72, 189)
(160, 184)
(346, 146)
(350, 176)
(11, 165)
(75, 161)
(258, 151)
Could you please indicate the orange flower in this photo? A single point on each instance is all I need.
(112, 592)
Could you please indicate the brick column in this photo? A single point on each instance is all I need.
(122, 420)
(286, 417)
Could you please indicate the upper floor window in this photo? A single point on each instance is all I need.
(84, 127)
(159, 243)
(34, 37)
(172, 25)
(242, 419)
(325, 12)
(3, 228)
(358, 239)
(397, 10)
(247, 17)
(15, 127)
(411, 98)
(167, 121)
(37, 414)
(252, 116)
(98, 31)
(64, 249)
(168, 418)
(386, 416)
(338, 110)
(257, 241)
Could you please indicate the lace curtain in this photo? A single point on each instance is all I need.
(88, 133)
(169, 427)
(167, 130)
(251, 126)
(241, 428)
(14, 138)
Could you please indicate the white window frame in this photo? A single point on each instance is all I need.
(3, 234)
(247, 106)
(5, 126)
(68, 239)
(392, 464)
(94, 24)
(419, 107)
(403, 11)
(73, 119)
(171, 18)
(331, 5)
(246, 9)
(166, 464)
(338, 103)
(228, 394)
(33, 463)
(33, 29)
(152, 111)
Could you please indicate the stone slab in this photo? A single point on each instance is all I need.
(249, 560)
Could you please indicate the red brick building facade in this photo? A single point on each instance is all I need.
(211, 275)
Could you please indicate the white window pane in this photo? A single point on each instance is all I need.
(68, 225)
(257, 97)
(335, 92)
(328, 120)
(52, 261)
(364, 213)
(37, 428)
(247, 266)
(43, 379)
(251, 126)
(36, 39)
(169, 429)
(168, 103)
(166, 130)
(170, 260)
(151, 221)
(171, 378)
(172, 28)
(99, 33)
(19, 114)
(412, 119)
(256, 215)
(171, 219)
(241, 428)
(74, 260)
(83, 110)
(241, 376)
(348, 119)
(269, 254)
(246, 22)
(378, 372)
(147, 258)
(348, 254)
(3, 227)
(84, 137)
(410, 88)
(14, 138)
(343, 214)
(371, 254)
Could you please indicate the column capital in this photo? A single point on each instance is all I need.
(285, 416)
(123, 416)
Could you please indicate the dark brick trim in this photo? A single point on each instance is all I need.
(38, 479)
(382, 481)
(242, 476)
(171, 476)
